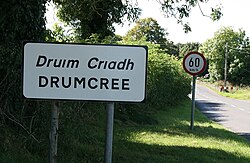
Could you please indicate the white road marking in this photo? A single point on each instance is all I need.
(205, 96)
(233, 106)
(242, 109)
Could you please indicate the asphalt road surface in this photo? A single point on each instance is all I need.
(231, 113)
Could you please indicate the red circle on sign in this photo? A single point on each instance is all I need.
(201, 63)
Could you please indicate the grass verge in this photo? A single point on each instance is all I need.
(168, 139)
(171, 140)
(241, 93)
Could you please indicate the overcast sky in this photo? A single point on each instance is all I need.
(235, 14)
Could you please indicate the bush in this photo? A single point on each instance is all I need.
(167, 82)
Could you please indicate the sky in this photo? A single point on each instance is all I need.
(236, 14)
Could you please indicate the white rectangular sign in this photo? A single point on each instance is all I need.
(84, 72)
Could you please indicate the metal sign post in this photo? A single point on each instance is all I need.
(109, 132)
(194, 63)
(193, 103)
(54, 132)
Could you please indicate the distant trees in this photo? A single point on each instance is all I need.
(235, 46)
(187, 47)
(148, 28)
(239, 68)
(151, 31)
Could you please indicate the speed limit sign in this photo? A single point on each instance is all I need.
(194, 63)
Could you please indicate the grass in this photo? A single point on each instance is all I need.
(166, 139)
(241, 93)
(171, 140)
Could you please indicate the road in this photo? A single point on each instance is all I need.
(231, 113)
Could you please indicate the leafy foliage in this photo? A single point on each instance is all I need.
(239, 68)
(167, 82)
(148, 28)
(19, 21)
(187, 47)
(59, 34)
(151, 31)
(170, 48)
(216, 13)
(181, 9)
(235, 45)
(98, 16)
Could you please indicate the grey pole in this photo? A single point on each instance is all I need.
(109, 132)
(193, 103)
(54, 132)
(225, 68)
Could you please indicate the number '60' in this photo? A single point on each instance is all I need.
(194, 62)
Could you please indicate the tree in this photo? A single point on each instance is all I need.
(181, 9)
(171, 48)
(59, 34)
(187, 47)
(148, 28)
(98, 16)
(95, 16)
(239, 68)
(227, 43)
(19, 21)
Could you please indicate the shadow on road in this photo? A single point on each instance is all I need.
(215, 112)
(212, 110)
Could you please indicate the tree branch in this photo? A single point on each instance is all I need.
(22, 126)
(202, 11)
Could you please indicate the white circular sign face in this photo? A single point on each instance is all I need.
(194, 63)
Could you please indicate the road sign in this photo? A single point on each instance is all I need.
(194, 63)
(84, 72)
